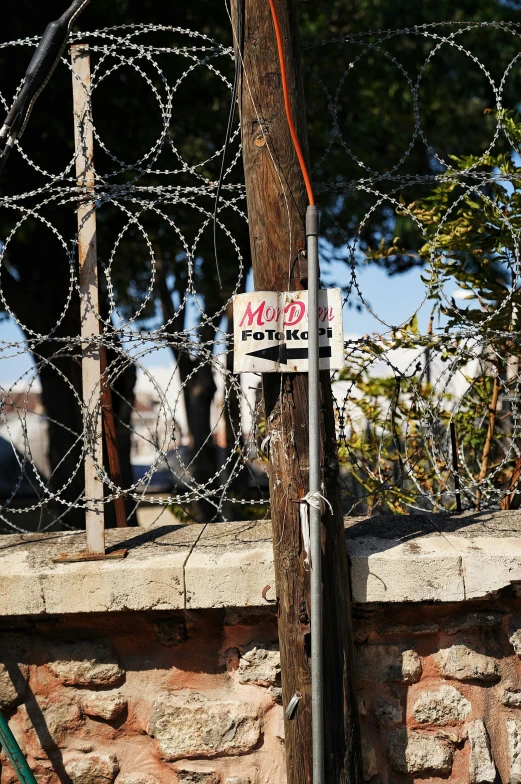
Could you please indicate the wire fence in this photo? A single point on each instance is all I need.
(427, 403)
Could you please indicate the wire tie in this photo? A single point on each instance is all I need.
(292, 705)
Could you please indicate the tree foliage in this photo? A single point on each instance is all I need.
(470, 226)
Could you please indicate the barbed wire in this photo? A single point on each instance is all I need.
(402, 392)
(140, 191)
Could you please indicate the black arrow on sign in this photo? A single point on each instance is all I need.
(272, 354)
(303, 353)
(282, 354)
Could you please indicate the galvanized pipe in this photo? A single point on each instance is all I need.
(315, 514)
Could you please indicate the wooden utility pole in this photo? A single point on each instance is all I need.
(276, 210)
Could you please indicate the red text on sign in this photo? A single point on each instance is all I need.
(294, 313)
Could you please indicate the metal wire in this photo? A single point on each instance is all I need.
(161, 431)
(400, 390)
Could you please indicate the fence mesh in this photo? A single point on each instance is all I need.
(426, 404)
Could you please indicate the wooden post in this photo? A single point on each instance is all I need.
(89, 304)
(111, 438)
(276, 210)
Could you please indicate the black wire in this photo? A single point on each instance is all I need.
(4, 156)
(39, 71)
(228, 136)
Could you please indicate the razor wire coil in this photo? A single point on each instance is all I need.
(400, 460)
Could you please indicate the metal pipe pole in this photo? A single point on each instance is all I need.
(315, 490)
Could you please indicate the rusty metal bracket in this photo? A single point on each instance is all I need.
(85, 556)
(264, 595)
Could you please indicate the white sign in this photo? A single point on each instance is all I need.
(271, 331)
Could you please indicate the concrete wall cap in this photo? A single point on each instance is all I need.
(417, 558)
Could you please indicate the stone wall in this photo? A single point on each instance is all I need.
(162, 668)
(195, 698)
(440, 691)
(145, 698)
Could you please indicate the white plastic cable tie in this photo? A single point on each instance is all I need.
(317, 501)
(263, 444)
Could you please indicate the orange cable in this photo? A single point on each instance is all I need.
(293, 132)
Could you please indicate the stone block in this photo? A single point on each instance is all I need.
(443, 706)
(106, 705)
(515, 640)
(388, 714)
(280, 727)
(136, 778)
(452, 735)
(196, 727)
(92, 768)
(52, 723)
(196, 777)
(511, 698)
(149, 578)
(84, 663)
(13, 684)
(411, 667)
(84, 746)
(418, 753)
(389, 663)
(514, 750)
(386, 570)
(463, 664)
(237, 780)
(490, 562)
(260, 665)
(481, 765)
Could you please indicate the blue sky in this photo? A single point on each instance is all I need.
(393, 299)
